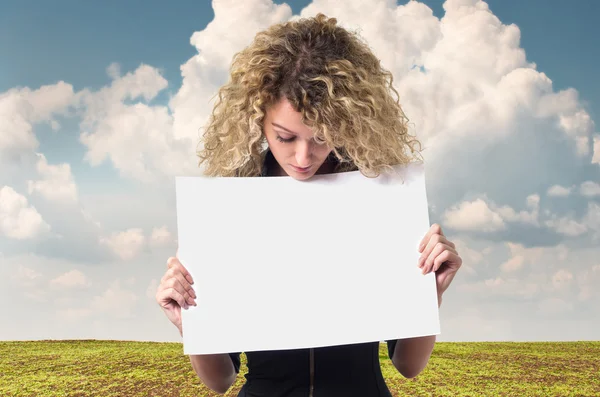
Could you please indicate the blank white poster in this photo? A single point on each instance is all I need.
(284, 264)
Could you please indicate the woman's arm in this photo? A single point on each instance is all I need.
(411, 355)
(215, 371)
(438, 255)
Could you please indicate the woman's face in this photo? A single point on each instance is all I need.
(292, 143)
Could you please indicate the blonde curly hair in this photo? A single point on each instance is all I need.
(331, 77)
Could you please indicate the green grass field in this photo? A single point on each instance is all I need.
(107, 368)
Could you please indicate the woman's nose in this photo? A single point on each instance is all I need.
(304, 154)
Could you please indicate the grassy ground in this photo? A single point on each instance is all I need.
(111, 369)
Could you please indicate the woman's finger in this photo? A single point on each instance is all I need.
(176, 284)
(433, 230)
(175, 272)
(169, 294)
(436, 238)
(174, 262)
(438, 250)
(443, 257)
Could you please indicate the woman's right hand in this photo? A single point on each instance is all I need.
(175, 291)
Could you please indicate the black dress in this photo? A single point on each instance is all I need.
(345, 371)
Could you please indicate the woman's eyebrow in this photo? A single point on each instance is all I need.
(283, 128)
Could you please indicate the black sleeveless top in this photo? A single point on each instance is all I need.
(345, 371)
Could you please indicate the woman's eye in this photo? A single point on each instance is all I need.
(280, 139)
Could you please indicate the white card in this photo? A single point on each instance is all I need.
(284, 264)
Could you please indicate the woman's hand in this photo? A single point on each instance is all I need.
(438, 254)
(175, 291)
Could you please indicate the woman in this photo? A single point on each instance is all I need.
(305, 98)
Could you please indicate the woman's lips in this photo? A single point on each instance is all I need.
(298, 169)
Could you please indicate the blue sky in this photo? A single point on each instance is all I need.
(42, 42)
(513, 174)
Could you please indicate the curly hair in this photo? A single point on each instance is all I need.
(331, 77)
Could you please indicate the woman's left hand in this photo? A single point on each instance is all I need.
(438, 254)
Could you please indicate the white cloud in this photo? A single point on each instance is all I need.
(126, 244)
(559, 191)
(566, 226)
(26, 277)
(590, 189)
(592, 217)
(72, 279)
(538, 255)
(21, 108)
(498, 286)
(479, 215)
(596, 157)
(473, 216)
(114, 70)
(510, 215)
(57, 181)
(471, 258)
(216, 44)
(130, 243)
(114, 130)
(513, 264)
(587, 275)
(160, 236)
(19, 220)
(152, 289)
(115, 301)
(562, 279)
(581, 125)
(485, 92)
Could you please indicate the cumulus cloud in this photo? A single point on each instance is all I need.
(115, 301)
(590, 189)
(596, 158)
(126, 244)
(26, 277)
(72, 279)
(22, 108)
(566, 226)
(504, 287)
(160, 236)
(152, 289)
(588, 280)
(513, 264)
(57, 181)
(113, 129)
(479, 215)
(465, 83)
(571, 227)
(562, 279)
(559, 191)
(130, 243)
(18, 219)
(473, 216)
(207, 70)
